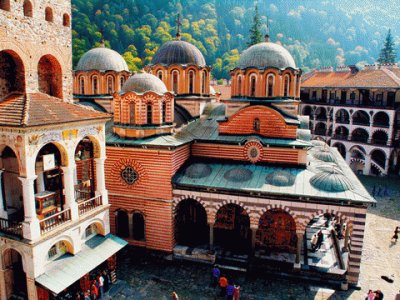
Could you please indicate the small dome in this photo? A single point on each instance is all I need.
(179, 52)
(324, 155)
(331, 182)
(280, 178)
(238, 175)
(102, 59)
(266, 55)
(144, 82)
(198, 171)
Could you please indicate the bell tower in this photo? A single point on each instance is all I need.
(35, 48)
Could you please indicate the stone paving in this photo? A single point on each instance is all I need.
(149, 276)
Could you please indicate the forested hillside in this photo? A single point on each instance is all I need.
(317, 33)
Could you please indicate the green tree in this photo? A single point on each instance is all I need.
(255, 30)
(388, 52)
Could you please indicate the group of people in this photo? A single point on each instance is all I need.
(374, 295)
(98, 287)
(317, 240)
(228, 290)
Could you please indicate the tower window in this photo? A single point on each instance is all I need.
(149, 113)
(175, 82)
(110, 85)
(164, 112)
(240, 86)
(132, 113)
(82, 85)
(95, 85)
(256, 125)
(287, 83)
(270, 86)
(49, 14)
(121, 82)
(28, 10)
(159, 75)
(204, 82)
(66, 20)
(253, 86)
(191, 82)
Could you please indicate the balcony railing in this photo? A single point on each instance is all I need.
(11, 227)
(52, 222)
(88, 205)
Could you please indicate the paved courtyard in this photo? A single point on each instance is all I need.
(149, 276)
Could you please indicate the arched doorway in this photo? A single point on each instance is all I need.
(122, 223)
(12, 75)
(277, 232)
(138, 229)
(191, 227)
(232, 228)
(14, 275)
(50, 76)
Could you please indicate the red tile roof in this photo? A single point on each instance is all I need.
(363, 79)
(26, 110)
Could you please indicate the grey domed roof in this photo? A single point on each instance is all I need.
(324, 155)
(198, 171)
(239, 174)
(102, 59)
(331, 182)
(280, 178)
(264, 55)
(179, 52)
(144, 82)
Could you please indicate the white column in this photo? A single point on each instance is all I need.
(100, 180)
(69, 190)
(31, 227)
(300, 238)
(3, 212)
(40, 182)
(367, 167)
(387, 164)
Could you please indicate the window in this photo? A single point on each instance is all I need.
(5, 5)
(138, 227)
(352, 96)
(175, 82)
(253, 86)
(132, 113)
(122, 223)
(82, 85)
(49, 14)
(91, 231)
(204, 82)
(191, 82)
(240, 86)
(287, 86)
(66, 20)
(149, 113)
(110, 85)
(159, 75)
(270, 85)
(256, 125)
(95, 85)
(28, 10)
(121, 82)
(57, 250)
(129, 175)
(164, 112)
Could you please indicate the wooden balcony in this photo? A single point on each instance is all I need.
(10, 227)
(89, 205)
(54, 221)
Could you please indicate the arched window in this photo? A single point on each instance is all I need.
(204, 82)
(82, 85)
(122, 224)
(164, 112)
(270, 85)
(159, 75)
(240, 86)
(110, 84)
(149, 113)
(57, 250)
(138, 227)
(175, 81)
(91, 231)
(253, 86)
(95, 85)
(286, 86)
(5, 5)
(191, 82)
(49, 14)
(28, 10)
(256, 124)
(66, 20)
(12, 75)
(50, 76)
(132, 113)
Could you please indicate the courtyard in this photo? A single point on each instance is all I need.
(148, 275)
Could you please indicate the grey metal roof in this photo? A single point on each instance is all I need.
(61, 273)
(334, 188)
(144, 82)
(102, 59)
(266, 55)
(179, 52)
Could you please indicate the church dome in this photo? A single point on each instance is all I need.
(179, 52)
(239, 174)
(144, 82)
(266, 55)
(325, 155)
(280, 178)
(198, 171)
(102, 59)
(331, 181)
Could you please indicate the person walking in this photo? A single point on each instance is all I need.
(100, 281)
(216, 273)
(106, 281)
(236, 292)
(320, 239)
(175, 296)
(230, 290)
(94, 292)
(314, 240)
(370, 296)
(396, 234)
(223, 283)
(378, 295)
